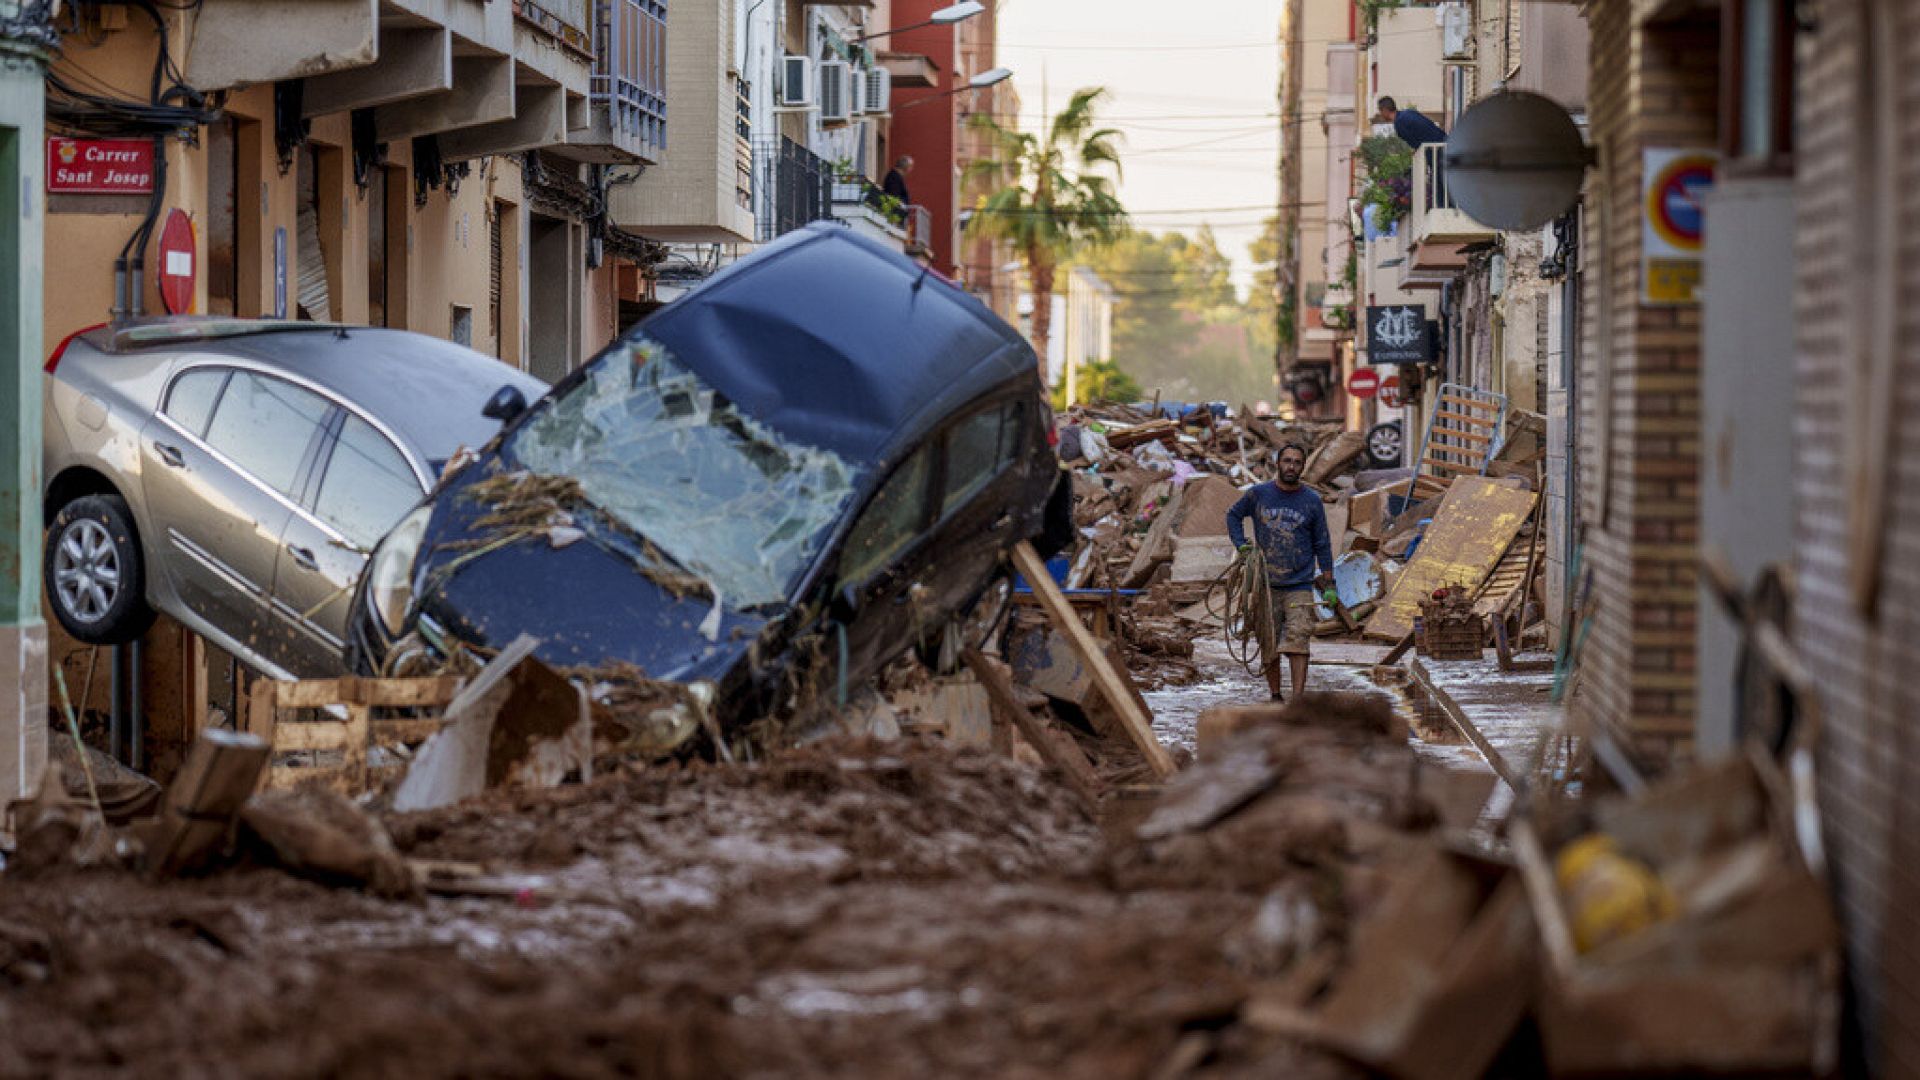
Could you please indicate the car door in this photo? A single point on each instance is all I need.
(219, 464)
(363, 485)
(878, 559)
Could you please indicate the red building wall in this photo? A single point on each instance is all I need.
(928, 129)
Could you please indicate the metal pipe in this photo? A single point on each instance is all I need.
(136, 720)
(116, 704)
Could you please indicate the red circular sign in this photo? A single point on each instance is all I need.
(1390, 392)
(1363, 383)
(177, 263)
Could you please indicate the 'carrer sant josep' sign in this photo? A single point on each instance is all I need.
(1397, 334)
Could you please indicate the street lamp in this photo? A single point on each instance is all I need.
(990, 77)
(946, 16)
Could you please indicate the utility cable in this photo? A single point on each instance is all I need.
(1245, 609)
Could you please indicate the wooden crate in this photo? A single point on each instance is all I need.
(351, 733)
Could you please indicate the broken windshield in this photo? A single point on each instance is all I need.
(667, 456)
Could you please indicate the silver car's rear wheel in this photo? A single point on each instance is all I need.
(86, 571)
(96, 583)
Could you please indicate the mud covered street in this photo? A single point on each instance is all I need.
(848, 909)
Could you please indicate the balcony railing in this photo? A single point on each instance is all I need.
(1435, 217)
(630, 69)
(919, 226)
(793, 186)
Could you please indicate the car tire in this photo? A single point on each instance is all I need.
(95, 573)
(973, 628)
(1386, 445)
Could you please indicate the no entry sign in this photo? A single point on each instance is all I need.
(1390, 392)
(1363, 383)
(177, 264)
(99, 166)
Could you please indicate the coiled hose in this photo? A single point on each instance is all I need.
(1245, 609)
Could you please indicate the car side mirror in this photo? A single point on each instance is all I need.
(505, 404)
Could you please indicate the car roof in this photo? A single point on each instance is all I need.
(841, 343)
(428, 391)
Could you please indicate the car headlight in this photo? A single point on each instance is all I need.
(390, 584)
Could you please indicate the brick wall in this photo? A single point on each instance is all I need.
(1870, 748)
(1651, 85)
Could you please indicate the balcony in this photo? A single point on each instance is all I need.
(1436, 220)
(627, 95)
(697, 192)
(793, 187)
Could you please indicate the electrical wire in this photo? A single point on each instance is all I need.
(1245, 609)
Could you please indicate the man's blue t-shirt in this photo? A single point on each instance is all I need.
(1291, 529)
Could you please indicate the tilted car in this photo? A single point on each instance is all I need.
(783, 479)
(234, 473)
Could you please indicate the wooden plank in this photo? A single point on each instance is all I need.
(262, 698)
(1470, 531)
(1111, 683)
(1471, 436)
(1470, 403)
(332, 777)
(1451, 466)
(1399, 650)
(294, 735)
(1477, 421)
(410, 693)
(407, 731)
(1054, 746)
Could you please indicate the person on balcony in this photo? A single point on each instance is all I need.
(895, 184)
(1411, 125)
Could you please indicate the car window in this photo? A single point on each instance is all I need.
(890, 522)
(368, 486)
(264, 425)
(978, 449)
(190, 402)
(973, 457)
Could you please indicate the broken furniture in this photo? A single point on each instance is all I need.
(338, 723)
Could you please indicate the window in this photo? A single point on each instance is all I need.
(978, 448)
(190, 402)
(1756, 85)
(368, 486)
(265, 426)
(460, 325)
(890, 522)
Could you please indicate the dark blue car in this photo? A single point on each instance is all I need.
(774, 485)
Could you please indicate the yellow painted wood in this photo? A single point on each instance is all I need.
(1472, 528)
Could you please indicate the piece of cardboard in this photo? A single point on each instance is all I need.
(1200, 559)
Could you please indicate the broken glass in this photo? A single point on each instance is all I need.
(667, 456)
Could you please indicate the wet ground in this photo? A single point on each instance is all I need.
(1224, 681)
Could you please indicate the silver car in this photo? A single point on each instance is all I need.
(234, 474)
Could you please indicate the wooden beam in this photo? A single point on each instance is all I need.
(1056, 747)
(1465, 726)
(1113, 685)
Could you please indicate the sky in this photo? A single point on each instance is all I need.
(1194, 96)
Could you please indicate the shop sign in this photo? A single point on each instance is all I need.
(1398, 334)
(99, 166)
(1673, 228)
(1363, 383)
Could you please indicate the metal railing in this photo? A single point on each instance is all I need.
(571, 21)
(793, 186)
(630, 69)
(1430, 178)
(919, 227)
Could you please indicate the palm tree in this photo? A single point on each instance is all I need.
(1049, 197)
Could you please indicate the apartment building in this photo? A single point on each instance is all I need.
(1316, 126)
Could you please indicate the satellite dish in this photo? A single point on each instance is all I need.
(1515, 161)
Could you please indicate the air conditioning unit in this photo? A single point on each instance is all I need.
(879, 90)
(860, 77)
(836, 92)
(1456, 32)
(796, 82)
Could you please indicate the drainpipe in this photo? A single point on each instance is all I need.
(26, 40)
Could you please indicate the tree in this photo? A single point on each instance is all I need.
(1098, 380)
(1049, 197)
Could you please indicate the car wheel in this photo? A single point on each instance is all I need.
(1384, 445)
(96, 579)
(971, 628)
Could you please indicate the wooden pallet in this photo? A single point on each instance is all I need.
(338, 719)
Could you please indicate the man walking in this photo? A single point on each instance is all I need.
(1290, 525)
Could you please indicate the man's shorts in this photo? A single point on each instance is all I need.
(1293, 621)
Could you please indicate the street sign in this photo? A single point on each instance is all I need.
(99, 166)
(1673, 230)
(1363, 383)
(177, 263)
(1397, 334)
(1390, 392)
